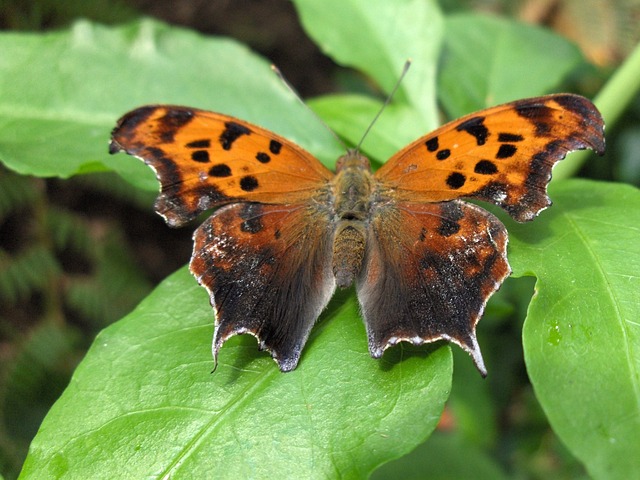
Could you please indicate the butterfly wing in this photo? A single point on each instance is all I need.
(429, 270)
(268, 272)
(502, 155)
(204, 159)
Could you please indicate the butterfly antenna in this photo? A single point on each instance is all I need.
(405, 69)
(277, 71)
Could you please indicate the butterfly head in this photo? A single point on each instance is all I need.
(353, 159)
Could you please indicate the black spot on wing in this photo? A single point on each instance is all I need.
(248, 183)
(204, 143)
(443, 154)
(506, 150)
(275, 147)
(221, 170)
(171, 122)
(231, 133)
(485, 167)
(201, 156)
(456, 180)
(510, 137)
(432, 144)
(263, 157)
(475, 127)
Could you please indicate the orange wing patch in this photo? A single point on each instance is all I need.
(503, 155)
(204, 159)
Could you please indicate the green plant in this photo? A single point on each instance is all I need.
(142, 402)
(62, 279)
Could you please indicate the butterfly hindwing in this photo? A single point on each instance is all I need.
(268, 271)
(429, 270)
(205, 159)
(502, 155)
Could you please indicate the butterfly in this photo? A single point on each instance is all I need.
(286, 230)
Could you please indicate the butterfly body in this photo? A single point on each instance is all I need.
(287, 231)
(352, 189)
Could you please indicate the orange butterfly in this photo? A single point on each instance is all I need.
(288, 230)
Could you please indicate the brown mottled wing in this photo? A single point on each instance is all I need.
(268, 271)
(429, 270)
(502, 155)
(205, 159)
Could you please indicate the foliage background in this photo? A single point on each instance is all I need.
(79, 254)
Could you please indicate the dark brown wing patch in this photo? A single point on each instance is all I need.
(268, 271)
(429, 271)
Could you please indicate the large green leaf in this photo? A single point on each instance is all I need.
(61, 94)
(144, 404)
(439, 459)
(352, 114)
(377, 37)
(491, 60)
(486, 61)
(582, 333)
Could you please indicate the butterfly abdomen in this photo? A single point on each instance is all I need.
(348, 252)
(352, 187)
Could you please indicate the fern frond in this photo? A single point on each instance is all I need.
(26, 273)
(34, 376)
(69, 231)
(16, 192)
(114, 288)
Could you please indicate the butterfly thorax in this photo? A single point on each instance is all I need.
(352, 187)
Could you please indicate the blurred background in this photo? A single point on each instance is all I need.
(77, 255)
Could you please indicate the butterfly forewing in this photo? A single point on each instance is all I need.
(204, 159)
(502, 155)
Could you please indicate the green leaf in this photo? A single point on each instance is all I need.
(398, 126)
(491, 60)
(582, 333)
(440, 458)
(143, 401)
(377, 37)
(62, 92)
